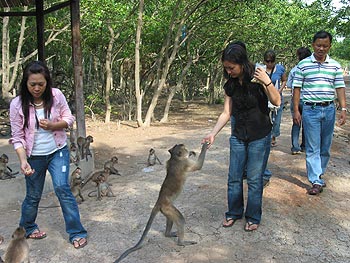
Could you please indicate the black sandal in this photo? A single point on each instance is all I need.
(250, 224)
(228, 222)
(78, 242)
(315, 189)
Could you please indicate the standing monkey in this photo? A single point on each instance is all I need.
(18, 249)
(5, 171)
(110, 165)
(152, 158)
(84, 146)
(75, 183)
(177, 167)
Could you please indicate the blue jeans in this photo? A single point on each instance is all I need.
(58, 165)
(276, 118)
(296, 131)
(318, 123)
(266, 174)
(249, 157)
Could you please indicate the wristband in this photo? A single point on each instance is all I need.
(344, 109)
(269, 84)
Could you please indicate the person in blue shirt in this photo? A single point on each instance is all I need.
(278, 76)
(302, 52)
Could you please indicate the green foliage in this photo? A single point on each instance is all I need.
(282, 25)
(341, 52)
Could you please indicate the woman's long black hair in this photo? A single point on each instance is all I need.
(35, 67)
(236, 53)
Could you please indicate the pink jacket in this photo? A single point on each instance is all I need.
(25, 137)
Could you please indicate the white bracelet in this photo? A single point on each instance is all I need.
(344, 109)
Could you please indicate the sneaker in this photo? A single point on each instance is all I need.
(296, 152)
(266, 183)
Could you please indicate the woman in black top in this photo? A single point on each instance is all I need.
(247, 102)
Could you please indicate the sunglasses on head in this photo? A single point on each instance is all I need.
(269, 61)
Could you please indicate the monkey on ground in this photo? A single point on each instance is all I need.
(102, 188)
(94, 176)
(110, 164)
(18, 249)
(75, 183)
(5, 171)
(84, 146)
(177, 167)
(152, 158)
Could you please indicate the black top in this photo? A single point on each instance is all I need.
(250, 110)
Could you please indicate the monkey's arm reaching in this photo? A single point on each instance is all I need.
(199, 163)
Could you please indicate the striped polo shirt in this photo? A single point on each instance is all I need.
(317, 80)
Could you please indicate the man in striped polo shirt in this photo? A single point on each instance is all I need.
(317, 79)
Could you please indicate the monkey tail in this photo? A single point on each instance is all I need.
(92, 192)
(154, 212)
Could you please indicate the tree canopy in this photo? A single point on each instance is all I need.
(180, 46)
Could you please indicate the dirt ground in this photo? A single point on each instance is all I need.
(295, 227)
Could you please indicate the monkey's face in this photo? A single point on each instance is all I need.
(179, 151)
(73, 147)
(101, 178)
(4, 158)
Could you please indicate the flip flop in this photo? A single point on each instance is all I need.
(79, 242)
(228, 222)
(248, 226)
(37, 234)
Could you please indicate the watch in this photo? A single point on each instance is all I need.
(344, 109)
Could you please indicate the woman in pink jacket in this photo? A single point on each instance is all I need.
(38, 118)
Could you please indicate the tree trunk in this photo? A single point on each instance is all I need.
(108, 65)
(175, 89)
(138, 92)
(5, 47)
(163, 68)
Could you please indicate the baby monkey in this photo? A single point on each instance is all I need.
(152, 158)
(5, 171)
(177, 167)
(18, 249)
(102, 188)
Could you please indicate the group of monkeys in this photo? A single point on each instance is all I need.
(176, 171)
(79, 148)
(99, 177)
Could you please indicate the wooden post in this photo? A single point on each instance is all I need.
(78, 69)
(39, 4)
